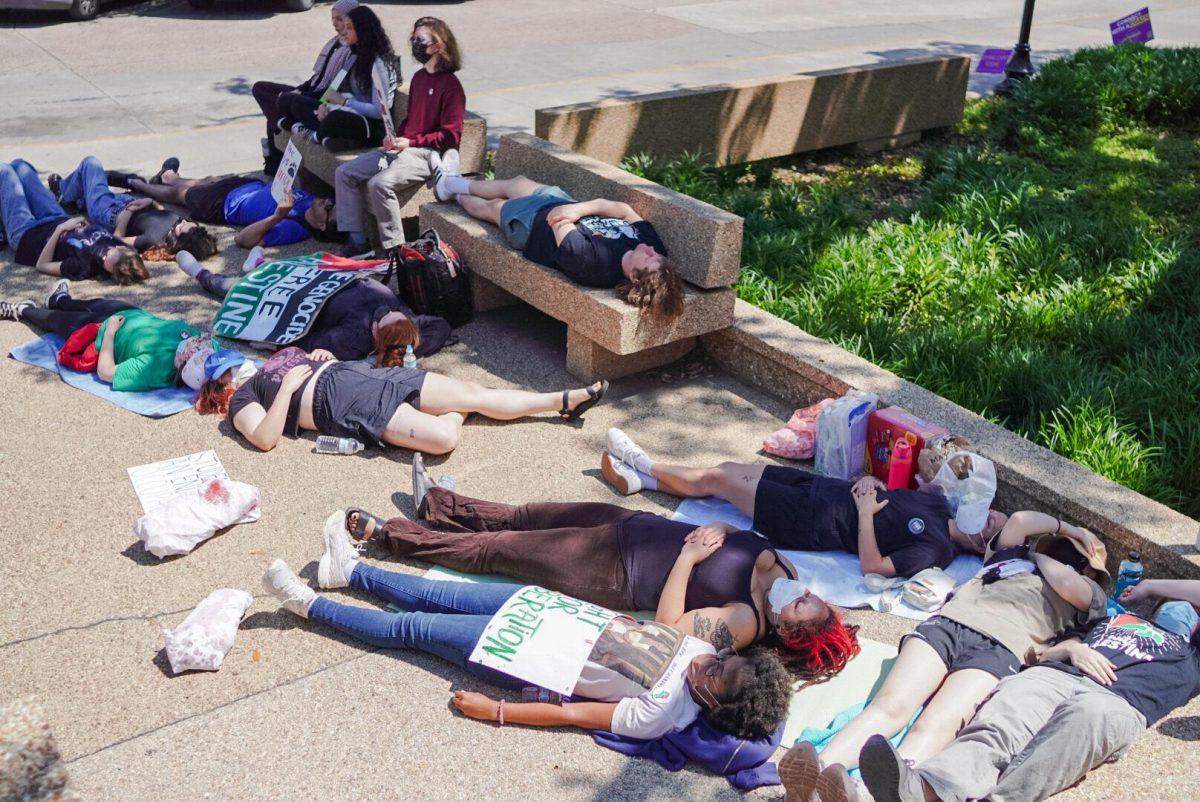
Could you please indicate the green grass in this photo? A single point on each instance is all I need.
(1040, 266)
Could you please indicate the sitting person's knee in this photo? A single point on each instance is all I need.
(444, 438)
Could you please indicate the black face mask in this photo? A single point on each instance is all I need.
(420, 52)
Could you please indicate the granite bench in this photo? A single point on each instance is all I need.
(606, 337)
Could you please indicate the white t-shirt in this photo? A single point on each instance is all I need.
(642, 666)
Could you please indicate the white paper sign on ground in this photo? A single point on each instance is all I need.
(542, 637)
(159, 481)
(285, 176)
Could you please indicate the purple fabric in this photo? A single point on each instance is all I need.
(745, 764)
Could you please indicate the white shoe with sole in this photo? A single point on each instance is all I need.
(282, 583)
(622, 447)
(443, 166)
(625, 480)
(341, 554)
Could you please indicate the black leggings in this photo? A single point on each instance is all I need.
(69, 314)
(338, 124)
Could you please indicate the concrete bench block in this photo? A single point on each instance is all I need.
(592, 362)
(486, 296)
(704, 242)
(595, 314)
(748, 120)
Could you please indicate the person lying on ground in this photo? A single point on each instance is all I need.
(425, 145)
(893, 532)
(240, 201)
(276, 99)
(724, 586)
(1082, 705)
(405, 407)
(155, 232)
(1031, 591)
(641, 679)
(354, 118)
(45, 237)
(361, 320)
(597, 243)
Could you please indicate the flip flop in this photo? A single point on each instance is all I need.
(170, 163)
(594, 397)
(359, 532)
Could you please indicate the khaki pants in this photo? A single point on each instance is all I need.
(390, 180)
(1038, 733)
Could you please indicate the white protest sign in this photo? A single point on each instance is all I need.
(542, 637)
(159, 481)
(285, 176)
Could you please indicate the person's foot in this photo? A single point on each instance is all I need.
(60, 290)
(834, 784)
(443, 166)
(624, 480)
(282, 583)
(122, 180)
(341, 554)
(577, 402)
(11, 310)
(621, 446)
(187, 263)
(54, 181)
(798, 771)
(421, 481)
(888, 776)
(169, 165)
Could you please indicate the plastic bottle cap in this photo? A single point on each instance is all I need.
(1135, 556)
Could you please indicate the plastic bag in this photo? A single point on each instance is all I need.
(179, 524)
(798, 438)
(201, 642)
(969, 483)
(841, 448)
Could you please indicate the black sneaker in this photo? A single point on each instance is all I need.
(337, 144)
(11, 310)
(54, 181)
(60, 290)
(121, 180)
(888, 776)
(169, 163)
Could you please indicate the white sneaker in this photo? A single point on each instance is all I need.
(443, 166)
(341, 554)
(625, 480)
(61, 287)
(282, 583)
(621, 446)
(252, 259)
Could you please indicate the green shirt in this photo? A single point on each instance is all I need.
(144, 350)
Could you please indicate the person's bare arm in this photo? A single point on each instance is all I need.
(1187, 590)
(598, 207)
(1083, 657)
(106, 366)
(253, 234)
(264, 428)
(1074, 589)
(1024, 524)
(585, 715)
(126, 215)
(45, 262)
(697, 546)
(868, 503)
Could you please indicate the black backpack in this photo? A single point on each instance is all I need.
(431, 279)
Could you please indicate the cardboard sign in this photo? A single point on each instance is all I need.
(993, 60)
(1132, 28)
(159, 481)
(335, 85)
(285, 176)
(385, 111)
(542, 637)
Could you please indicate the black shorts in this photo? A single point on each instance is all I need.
(961, 647)
(206, 202)
(353, 399)
(783, 511)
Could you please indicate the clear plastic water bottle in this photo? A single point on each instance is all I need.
(1129, 574)
(410, 359)
(337, 445)
(532, 693)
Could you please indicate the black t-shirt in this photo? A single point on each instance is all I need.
(1157, 671)
(150, 227)
(913, 529)
(591, 253)
(80, 252)
(262, 387)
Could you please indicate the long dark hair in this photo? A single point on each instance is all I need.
(373, 43)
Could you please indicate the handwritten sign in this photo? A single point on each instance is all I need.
(1134, 27)
(159, 481)
(993, 60)
(542, 637)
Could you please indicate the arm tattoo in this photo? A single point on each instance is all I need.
(722, 638)
(718, 635)
(701, 626)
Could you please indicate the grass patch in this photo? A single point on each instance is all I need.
(1040, 266)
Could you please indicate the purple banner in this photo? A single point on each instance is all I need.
(1132, 28)
(994, 60)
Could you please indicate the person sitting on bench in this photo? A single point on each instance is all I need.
(597, 243)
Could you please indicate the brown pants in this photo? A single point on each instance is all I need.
(571, 548)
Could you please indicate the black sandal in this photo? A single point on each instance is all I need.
(594, 397)
(170, 163)
(359, 532)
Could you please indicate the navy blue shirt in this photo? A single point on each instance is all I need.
(591, 253)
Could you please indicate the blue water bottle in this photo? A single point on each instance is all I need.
(1128, 575)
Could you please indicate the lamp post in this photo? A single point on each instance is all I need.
(1019, 66)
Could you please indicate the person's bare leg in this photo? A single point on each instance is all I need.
(167, 192)
(486, 210)
(442, 394)
(735, 482)
(429, 432)
(947, 713)
(915, 677)
(504, 189)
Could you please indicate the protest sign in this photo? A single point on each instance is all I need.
(993, 60)
(285, 176)
(335, 85)
(159, 481)
(1134, 27)
(542, 637)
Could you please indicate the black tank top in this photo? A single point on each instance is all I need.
(650, 544)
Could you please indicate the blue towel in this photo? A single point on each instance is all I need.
(820, 737)
(153, 404)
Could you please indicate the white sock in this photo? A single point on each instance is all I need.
(457, 185)
(648, 481)
(643, 464)
(348, 567)
(188, 264)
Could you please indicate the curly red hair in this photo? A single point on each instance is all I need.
(817, 652)
(213, 397)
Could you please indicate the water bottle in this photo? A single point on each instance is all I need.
(337, 445)
(1129, 574)
(446, 481)
(900, 466)
(410, 359)
(532, 693)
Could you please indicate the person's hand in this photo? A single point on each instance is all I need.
(295, 378)
(139, 204)
(321, 113)
(72, 223)
(333, 98)
(567, 213)
(701, 542)
(1083, 537)
(476, 706)
(865, 498)
(321, 355)
(1135, 593)
(1094, 664)
(285, 206)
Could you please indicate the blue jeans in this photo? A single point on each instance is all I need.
(24, 201)
(89, 185)
(446, 619)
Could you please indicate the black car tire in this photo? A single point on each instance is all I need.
(298, 5)
(84, 9)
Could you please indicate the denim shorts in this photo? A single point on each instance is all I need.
(516, 215)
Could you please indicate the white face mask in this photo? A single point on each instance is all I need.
(243, 372)
(782, 593)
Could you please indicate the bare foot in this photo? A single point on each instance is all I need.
(352, 525)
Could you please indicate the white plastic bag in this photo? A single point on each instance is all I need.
(201, 642)
(841, 449)
(179, 524)
(969, 483)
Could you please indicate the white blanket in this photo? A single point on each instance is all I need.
(835, 576)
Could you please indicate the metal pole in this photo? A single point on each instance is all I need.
(1019, 66)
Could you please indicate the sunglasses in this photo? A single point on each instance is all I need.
(417, 40)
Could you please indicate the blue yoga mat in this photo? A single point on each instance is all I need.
(153, 403)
